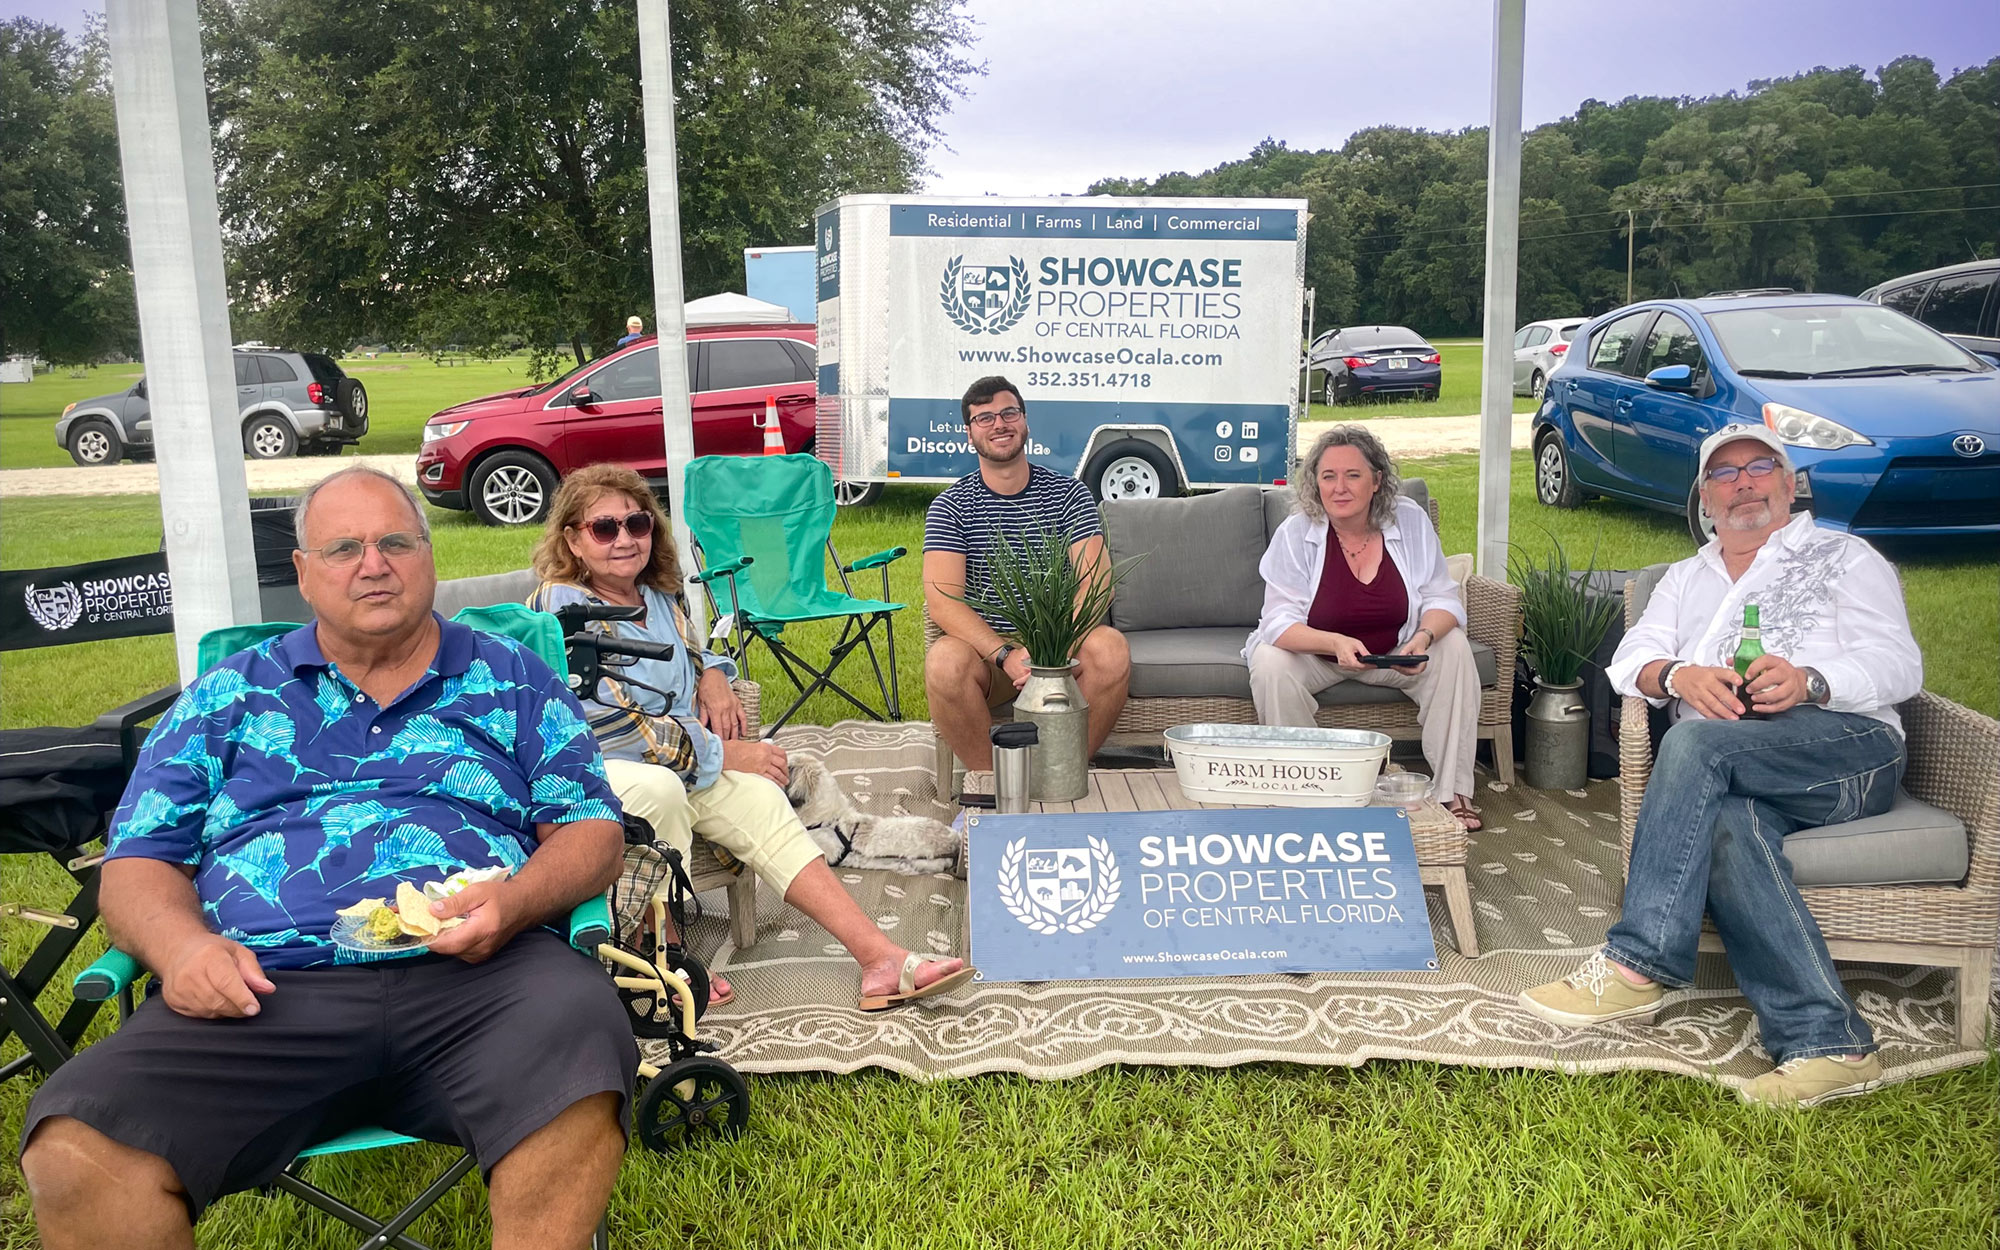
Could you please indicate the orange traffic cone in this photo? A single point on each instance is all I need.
(774, 436)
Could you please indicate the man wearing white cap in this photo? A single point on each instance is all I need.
(1824, 745)
(635, 329)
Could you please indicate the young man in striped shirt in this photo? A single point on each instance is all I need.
(974, 668)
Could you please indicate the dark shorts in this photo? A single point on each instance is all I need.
(475, 1055)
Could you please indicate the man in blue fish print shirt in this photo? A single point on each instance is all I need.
(378, 746)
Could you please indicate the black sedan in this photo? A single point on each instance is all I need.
(1363, 361)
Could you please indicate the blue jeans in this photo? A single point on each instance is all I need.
(1711, 834)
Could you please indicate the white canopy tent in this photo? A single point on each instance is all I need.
(731, 309)
(177, 270)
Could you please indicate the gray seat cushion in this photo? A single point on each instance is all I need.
(484, 592)
(1912, 843)
(1200, 560)
(1208, 663)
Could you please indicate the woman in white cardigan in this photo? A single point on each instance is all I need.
(1379, 587)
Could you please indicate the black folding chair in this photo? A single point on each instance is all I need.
(58, 790)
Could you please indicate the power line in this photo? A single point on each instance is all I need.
(1782, 199)
(1710, 222)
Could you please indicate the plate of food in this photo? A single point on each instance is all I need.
(379, 924)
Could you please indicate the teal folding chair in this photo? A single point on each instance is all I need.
(764, 525)
(114, 975)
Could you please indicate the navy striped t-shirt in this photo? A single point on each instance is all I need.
(969, 517)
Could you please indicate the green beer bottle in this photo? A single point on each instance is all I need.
(1748, 650)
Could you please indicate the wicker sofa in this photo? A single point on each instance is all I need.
(1919, 884)
(1188, 606)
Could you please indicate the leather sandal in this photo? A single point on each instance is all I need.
(1464, 813)
(906, 987)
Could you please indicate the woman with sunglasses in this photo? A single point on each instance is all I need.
(681, 761)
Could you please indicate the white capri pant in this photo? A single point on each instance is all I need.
(1446, 692)
(744, 814)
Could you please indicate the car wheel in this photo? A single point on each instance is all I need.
(269, 438)
(1330, 391)
(1555, 485)
(513, 488)
(1130, 469)
(352, 399)
(1700, 527)
(856, 494)
(95, 443)
(1537, 384)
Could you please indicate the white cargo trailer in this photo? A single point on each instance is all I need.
(1156, 341)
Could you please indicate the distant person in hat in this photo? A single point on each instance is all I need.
(635, 329)
(1823, 745)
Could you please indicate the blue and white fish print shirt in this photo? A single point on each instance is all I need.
(293, 794)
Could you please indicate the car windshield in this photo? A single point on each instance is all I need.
(1378, 338)
(1834, 340)
(555, 382)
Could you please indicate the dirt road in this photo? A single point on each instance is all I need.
(1405, 437)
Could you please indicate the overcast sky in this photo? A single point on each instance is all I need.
(1077, 90)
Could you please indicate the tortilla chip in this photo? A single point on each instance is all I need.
(413, 909)
(363, 909)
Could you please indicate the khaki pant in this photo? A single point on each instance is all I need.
(744, 814)
(1446, 692)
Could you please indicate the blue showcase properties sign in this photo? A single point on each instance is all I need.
(1196, 893)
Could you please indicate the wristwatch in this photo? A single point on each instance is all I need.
(1000, 656)
(1817, 691)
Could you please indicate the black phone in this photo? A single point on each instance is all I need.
(1395, 661)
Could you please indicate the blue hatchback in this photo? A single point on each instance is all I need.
(1891, 427)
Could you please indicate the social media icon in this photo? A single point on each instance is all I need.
(1223, 429)
(1249, 430)
(1224, 452)
(1247, 455)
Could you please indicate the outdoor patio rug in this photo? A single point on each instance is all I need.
(1545, 882)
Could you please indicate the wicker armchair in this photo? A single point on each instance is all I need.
(1954, 764)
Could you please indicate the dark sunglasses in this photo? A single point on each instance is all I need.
(605, 528)
(1724, 474)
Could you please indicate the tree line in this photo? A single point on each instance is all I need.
(474, 176)
(1831, 180)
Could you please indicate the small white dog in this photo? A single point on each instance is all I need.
(851, 838)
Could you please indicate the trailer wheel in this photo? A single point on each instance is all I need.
(1130, 469)
(856, 494)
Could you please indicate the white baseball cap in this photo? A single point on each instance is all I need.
(1739, 433)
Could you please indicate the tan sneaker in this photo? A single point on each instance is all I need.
(1593, 994)
(1809, 1082)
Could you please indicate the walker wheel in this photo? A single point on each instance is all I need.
(692, 1102)
(696, 972)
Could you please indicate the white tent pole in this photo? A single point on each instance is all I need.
(663, 198)
(176, 236)
(1503, 246)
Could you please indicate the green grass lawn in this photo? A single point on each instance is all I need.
(1391, 1154)
(1458, 392)
(403, 391)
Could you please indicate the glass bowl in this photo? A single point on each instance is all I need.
(1401, 789)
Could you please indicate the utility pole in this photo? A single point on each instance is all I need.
(1631, 234)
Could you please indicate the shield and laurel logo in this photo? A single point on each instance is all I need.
(54, 607)
(1065, 889)
(984, 299)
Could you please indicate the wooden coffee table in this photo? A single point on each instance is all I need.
(1439, 838)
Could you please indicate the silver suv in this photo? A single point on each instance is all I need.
(290, 403)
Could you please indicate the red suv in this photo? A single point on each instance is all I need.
(501, 456)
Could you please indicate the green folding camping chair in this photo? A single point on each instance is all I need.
(760, 524)
(113, 975)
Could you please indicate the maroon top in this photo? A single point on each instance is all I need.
(1372, 613)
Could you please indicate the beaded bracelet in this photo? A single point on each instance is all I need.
(1667, 678)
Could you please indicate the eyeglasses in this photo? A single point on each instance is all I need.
(985, 419)
(343, 552)
(605, 528)
(1762, 466)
